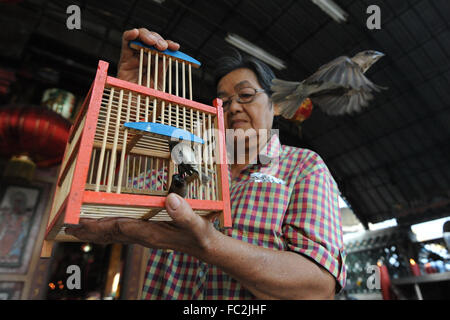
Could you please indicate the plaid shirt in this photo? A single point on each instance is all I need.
(287, 203)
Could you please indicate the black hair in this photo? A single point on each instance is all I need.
(236, 60)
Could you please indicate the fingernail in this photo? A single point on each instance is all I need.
(173, 202)
(161, 43)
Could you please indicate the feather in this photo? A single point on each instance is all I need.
(286, 96)
(288, 108)
(281, 89)
(337, 87)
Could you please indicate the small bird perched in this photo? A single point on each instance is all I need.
(338, 87)
(183, 155)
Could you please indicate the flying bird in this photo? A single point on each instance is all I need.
(338, 87)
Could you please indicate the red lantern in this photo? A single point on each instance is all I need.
(33, 132)
(415, 270)
(385, 281)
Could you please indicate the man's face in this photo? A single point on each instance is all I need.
(257, 114)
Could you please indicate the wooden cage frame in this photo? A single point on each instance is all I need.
(71, 193)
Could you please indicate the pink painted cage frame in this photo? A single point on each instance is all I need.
(71, 194)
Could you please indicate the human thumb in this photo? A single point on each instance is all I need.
(179, 210)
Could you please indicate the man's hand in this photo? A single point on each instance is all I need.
(188, 232)
(128, 68)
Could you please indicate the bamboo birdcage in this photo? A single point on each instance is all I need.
(111, 170)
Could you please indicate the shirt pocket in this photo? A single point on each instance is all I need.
(258, 210)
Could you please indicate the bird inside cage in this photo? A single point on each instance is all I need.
(181, 153)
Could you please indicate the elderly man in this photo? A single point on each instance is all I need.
(286, 239)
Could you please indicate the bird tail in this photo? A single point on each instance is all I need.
(378, 88)
(285, 97)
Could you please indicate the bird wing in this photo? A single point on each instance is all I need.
(343, 72)
(340, 102)
(348, 89)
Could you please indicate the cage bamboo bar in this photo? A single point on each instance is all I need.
(110, 170)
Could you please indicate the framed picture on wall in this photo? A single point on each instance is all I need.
(21, 211)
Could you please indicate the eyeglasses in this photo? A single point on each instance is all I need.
(244, 95)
